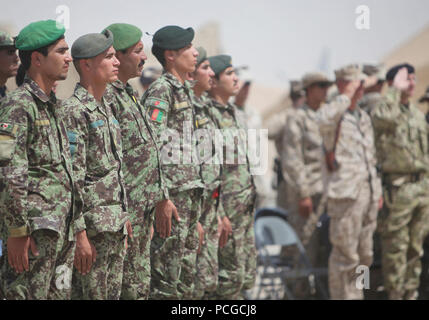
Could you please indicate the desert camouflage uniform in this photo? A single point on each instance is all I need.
(404, 163)
(353, 192)
(302, 157)
(207, 259)
(142, 177)
(169, 108)
(237, 260)
(38, 195)
(95, 144)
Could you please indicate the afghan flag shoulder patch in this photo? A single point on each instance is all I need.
(157, 115)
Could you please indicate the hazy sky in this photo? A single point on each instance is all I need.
(278, 39)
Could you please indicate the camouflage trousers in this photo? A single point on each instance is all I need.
(173, 260)
(207, 259)
(303, 227)
(136, 278)
(49, 275)
(404, 226)
(237, 260)
(104, 281)
(352, 226)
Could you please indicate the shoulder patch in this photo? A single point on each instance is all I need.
(156, 103)
(156, 115)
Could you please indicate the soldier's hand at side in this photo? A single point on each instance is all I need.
(201, 236)
(401, 81)
(219, 226)
(85, 253)
(380, 203)
(225, 233)
(163, 213)
(130, 233)
(305, 207)
(17, 252)
(151, 232)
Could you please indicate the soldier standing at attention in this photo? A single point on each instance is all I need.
(237, 256)
(404, 164)
(146, 190)
(8, 61)
(207, 259)
(169, 108)
(95, 143)
(39, 205)
(352, 185)
(301, 157)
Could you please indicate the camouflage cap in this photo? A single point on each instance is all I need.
(125, 35)
(202, 55)
(91, 45)
(39, 34)
(425, 97)
(219, 63)
(6, 40)
(173, 37)
(315, 78)
(350, 72)
(375, 70)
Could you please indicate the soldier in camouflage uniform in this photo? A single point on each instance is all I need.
(372, 96)
(301, 160)
(169, 107)
(237, 257)
(40, 205)
(404, 164)
(352, 185)
(8, 61)
(95, 143)
(141, 161)
(207, 259)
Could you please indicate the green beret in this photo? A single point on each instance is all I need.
(125, 35)
(202, 55)
(5, 40)
(220, 63)
(91, 45)
(173, 37)
(39, 34)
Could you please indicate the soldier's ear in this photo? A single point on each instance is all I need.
(169, 55)
(36, 59)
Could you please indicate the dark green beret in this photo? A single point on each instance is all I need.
(125, 35)
(173, 37)
(202, 55)
(220, 63)
(39, 34)
(91, 45)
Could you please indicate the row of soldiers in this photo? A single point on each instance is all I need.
(362, 157)
(89, 182)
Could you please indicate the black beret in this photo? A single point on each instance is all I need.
(173, 37)
(390, 75)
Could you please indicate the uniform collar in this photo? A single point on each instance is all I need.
(34, 88)
(175, 82)
(87, 99)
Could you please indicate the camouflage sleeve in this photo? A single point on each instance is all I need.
(329, 115)
(293, 166)
(77, 133)
(156, 105)
(385, 115)
(15, 123)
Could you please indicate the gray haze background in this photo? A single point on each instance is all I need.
(278, 39)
